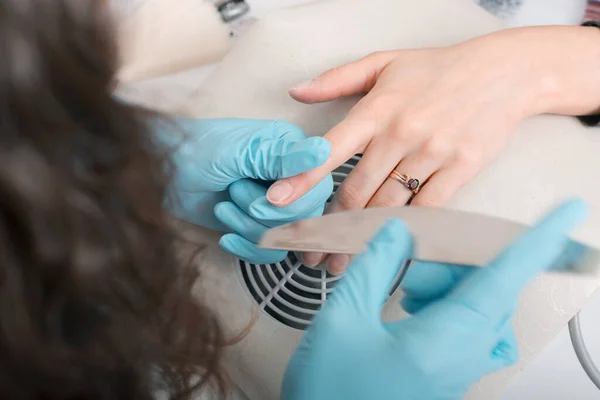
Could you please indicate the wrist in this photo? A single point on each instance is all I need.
(567, 79)
(550, 69)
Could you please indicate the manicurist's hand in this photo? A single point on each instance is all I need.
(460, 329)
(441, 115)
(223, 167)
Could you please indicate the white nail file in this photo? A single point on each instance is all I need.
(440, 235)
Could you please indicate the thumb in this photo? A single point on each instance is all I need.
(353, 78)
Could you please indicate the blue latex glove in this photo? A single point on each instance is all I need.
(249, 214)
(218, 160)
(445, 347)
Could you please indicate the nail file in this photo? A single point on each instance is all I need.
(440, 235)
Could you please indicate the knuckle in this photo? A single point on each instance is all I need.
(350, 196)
(436, 148)
(412, 125)
(380, 56)
(467, 157)
(377, 106)
(375, 56)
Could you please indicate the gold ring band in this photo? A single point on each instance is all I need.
(408, 182)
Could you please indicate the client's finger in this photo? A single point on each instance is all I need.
(412, 172)
(311, 205)
(355, 192)
(380, 157)
(445, 182)
(250, 196)
(391, 193)
(353, 78)
(347, 138)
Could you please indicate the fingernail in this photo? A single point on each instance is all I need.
(302, 86)
(311, 259)
(279, 192)
(338, 263)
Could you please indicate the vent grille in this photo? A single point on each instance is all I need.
(289, 291)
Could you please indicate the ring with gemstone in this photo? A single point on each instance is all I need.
(408, 182)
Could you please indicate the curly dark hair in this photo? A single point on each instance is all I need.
(93, 301)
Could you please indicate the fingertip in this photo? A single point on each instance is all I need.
(575, 210)
(311, 259)
(226, 242)
(302, 91)
(298, 95)
(302, 86)
(557, 223)
(569, 212)
(412, 306)
(337, 264)
(220, 209)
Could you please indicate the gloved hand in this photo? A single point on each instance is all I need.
(445, 347)
(216, 158)
(249, 214)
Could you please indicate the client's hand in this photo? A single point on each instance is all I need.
(456, 336)
(222, 168)
(441, 115)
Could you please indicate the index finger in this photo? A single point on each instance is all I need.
(493, 290)
(347, 138)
